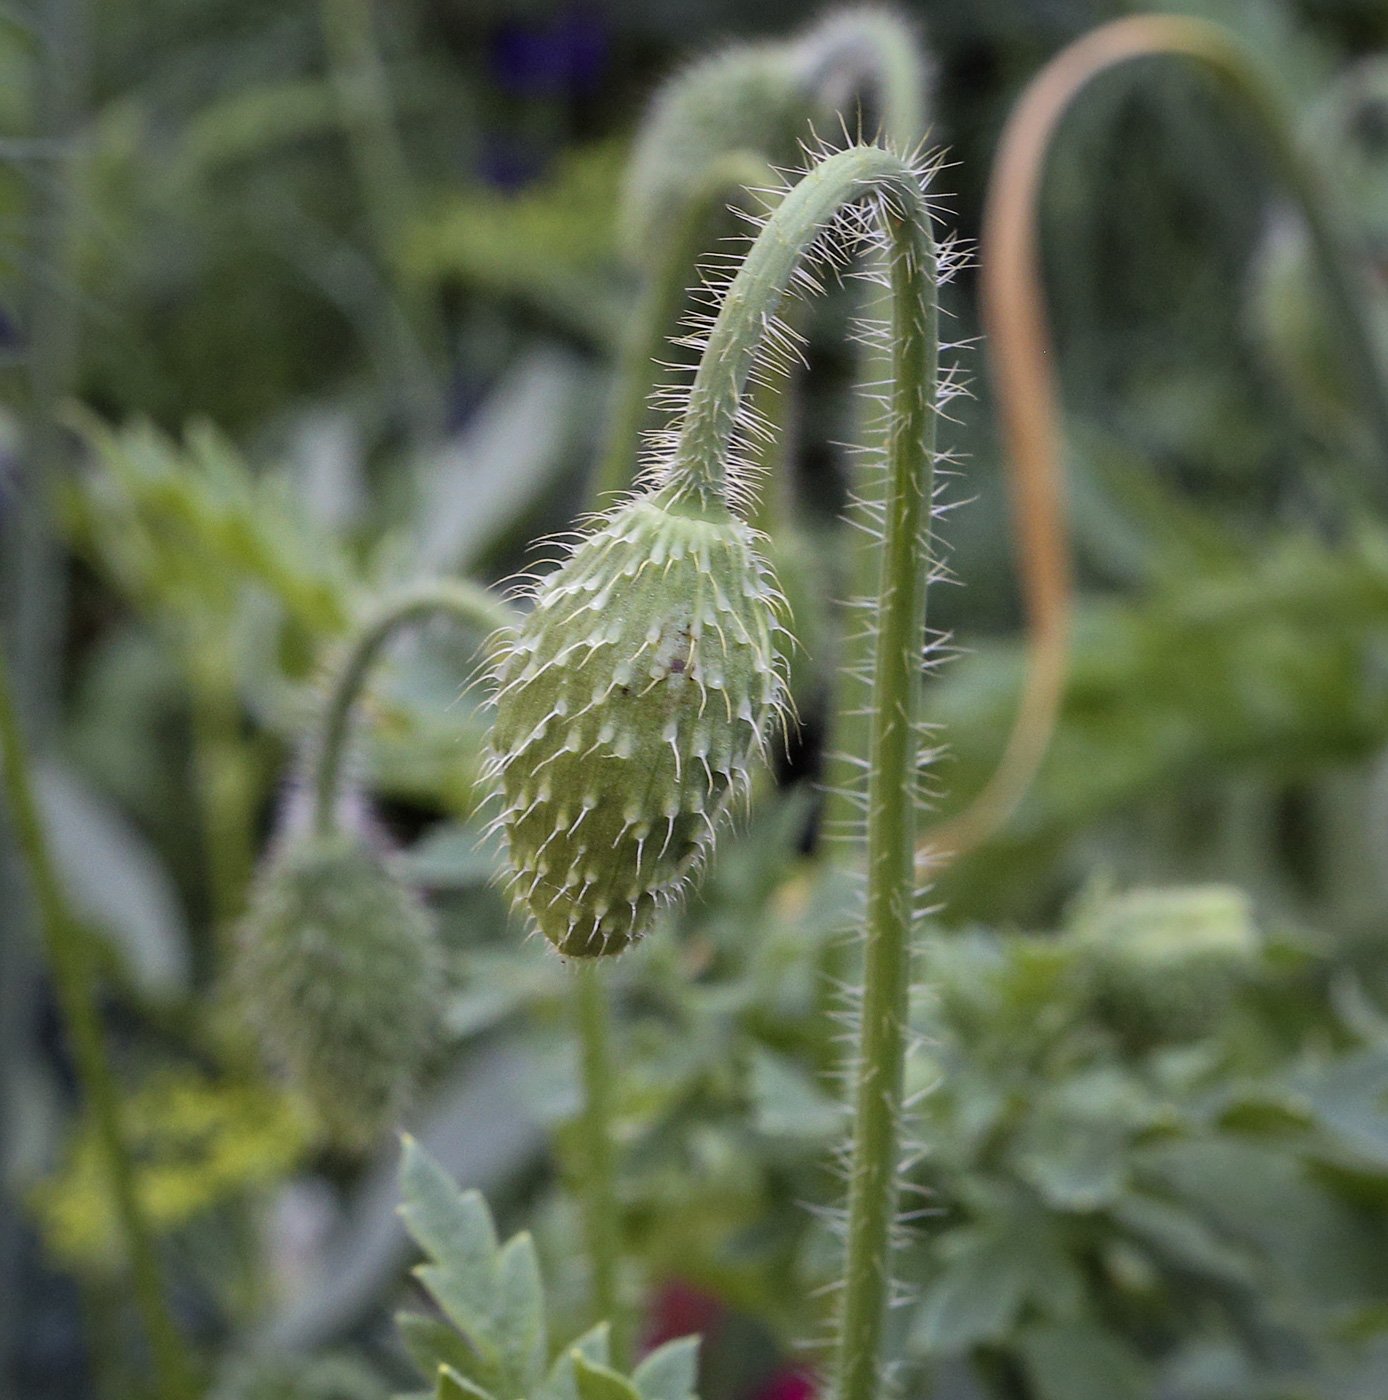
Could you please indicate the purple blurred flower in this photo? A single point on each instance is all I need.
(565, 55)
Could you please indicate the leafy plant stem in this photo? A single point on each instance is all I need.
(464, 602)
(68, 953)
(599, 1180)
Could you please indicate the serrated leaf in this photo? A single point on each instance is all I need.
(1015, 1258)
(976, 1299)
(600, 1382)
(594, 1345)
(670, 1372)
(519, 1322)
(455, 1229)
(453, 1386)
(431, 1344)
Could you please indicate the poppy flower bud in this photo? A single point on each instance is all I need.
(631, 706)
(339, 969)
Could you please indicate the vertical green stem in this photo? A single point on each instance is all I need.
(34, 574)
(364, 98)
(700, 468)
(221, 759)
(68, 955)
(387, 191)
(602, 1222)
(466, 602)
(891, 823)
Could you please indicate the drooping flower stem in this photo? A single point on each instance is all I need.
(700, 468)
(466, 603)
(701, 460)
(72, 966)
(656, 315)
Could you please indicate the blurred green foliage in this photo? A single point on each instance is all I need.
(1152, 1062)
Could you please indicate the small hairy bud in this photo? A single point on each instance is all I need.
(630, 707)
(340, 972)
(1165, 964)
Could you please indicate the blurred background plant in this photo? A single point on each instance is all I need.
(303, 302)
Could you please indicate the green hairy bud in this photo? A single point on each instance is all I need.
(1165, 963)
(339, 970)
(630, 707)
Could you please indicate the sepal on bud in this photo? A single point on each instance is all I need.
(631, 706)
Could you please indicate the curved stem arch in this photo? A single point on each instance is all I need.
(699, 470)
(755, 294)
(467, 603)
(1020, 352)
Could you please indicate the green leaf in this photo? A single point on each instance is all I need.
(787, 1102)
(593, 1345)
(1081, 1361)
(1184, 1239)
(1015, 1258)
(453, 1386)
(431, 1344)
(975, 1300)
(519, 1325)
(670, 1372)
(455, 1229)
(600, 1382)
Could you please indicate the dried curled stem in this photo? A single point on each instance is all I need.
(1020, 353)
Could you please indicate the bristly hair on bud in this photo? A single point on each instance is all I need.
(338, 963)
(339, 970)
(631, 707)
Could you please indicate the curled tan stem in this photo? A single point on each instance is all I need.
(1020, 356)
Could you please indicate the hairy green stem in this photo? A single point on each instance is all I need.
(751, 302)
(891, 822)
(70, 961)
(640, 371)
(700, 469)
(602, 1223)
(465, 602)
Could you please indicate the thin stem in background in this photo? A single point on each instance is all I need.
(383, 175)
(465, 602)
(598, 1193)
(69, 960)
(1026, 387)
(32, 559)
(222, 765)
